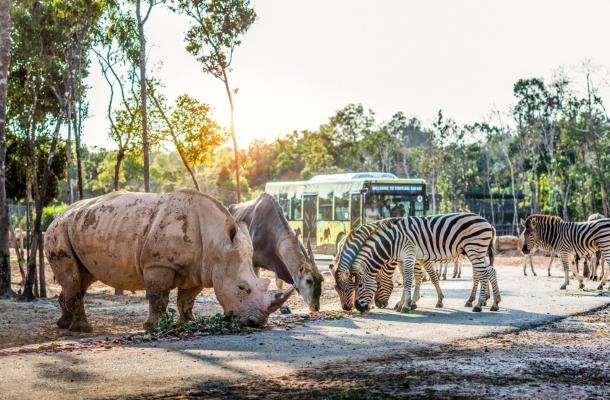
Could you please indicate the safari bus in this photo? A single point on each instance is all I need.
(326, 207)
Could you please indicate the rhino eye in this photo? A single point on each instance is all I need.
(241, 287)
(309, 281)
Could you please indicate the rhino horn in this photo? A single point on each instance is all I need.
(279, 299)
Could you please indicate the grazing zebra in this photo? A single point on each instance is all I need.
(580, 238)
(440, 238)
(348, 259)
(529, 257)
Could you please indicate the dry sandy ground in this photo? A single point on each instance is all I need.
(569, 359)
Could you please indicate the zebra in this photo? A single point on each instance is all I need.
(596, 258)
(580, 238)
(347, 261)
(440, 238)
(529, 257)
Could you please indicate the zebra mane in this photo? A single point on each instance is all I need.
(544, 219)
(380, 225)
(353, 244)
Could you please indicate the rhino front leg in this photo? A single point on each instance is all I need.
(159, 282)
(185, 302)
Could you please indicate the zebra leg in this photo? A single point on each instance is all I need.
(565, 262)
(475, 286)
(417, 274)
(445, 271)
(525, 265)
(532, 264)
(496, 290)
(460, 267)
(404, 306)
(581, 284)
(483, 270)
(439, 293)
(551, 262)
(606, 270)
(455, 267)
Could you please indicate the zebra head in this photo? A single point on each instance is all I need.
(344, 285)
(366, 287)
(530, 235)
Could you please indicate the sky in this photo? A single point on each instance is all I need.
(301, 61)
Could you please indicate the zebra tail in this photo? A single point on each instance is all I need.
(491, 249)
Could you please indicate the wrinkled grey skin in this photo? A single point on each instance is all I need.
(135, 241)
(277, 248)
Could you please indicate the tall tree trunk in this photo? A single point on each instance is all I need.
(27, 290)
(238, 182)
(21, 230)
(5, 59)
(145, 143)
(117, 168)
(41, 271)
(79, 168)
(19, 254)
(69, 155)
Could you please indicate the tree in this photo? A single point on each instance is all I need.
(195, 136)
(213, 38)
(76, 19)
(5, 58)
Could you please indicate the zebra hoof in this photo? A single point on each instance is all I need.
(549, 274)
(600, 287)
(439, 305)
(398, 306)
(460, 275)
(413, 306)
(444, 278)
(494, 308)
(563, 287)
(405, 310)
(476, 309)
(468, 304)
(581, 286)
(524, 274)
(535, 274)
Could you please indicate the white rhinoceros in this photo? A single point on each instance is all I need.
(157, 242)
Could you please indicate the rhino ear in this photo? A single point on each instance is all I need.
(310, 251)
(231, 232)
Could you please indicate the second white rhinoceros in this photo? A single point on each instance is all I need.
(135, 241)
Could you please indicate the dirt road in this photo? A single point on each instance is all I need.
(321, 348)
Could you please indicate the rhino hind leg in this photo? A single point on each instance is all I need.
(66, 316)
(186, 301)
(159, 281)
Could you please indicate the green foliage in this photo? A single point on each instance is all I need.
(220, 324)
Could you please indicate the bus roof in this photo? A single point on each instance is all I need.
(348, 182)
(350, 176)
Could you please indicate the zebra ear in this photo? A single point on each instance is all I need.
(344, 275)
(522, 222)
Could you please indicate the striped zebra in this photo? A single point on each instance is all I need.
(440, 238)
(529, 257)
(579, 238)
(595, 259)
(348, 259)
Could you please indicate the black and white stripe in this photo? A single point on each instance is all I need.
(579, 238)
(440, 238)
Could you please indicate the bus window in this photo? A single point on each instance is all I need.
(284, 204)
(309, 218)
(356, 217)
(326, 206)
(297, 211)
(419, 206)
(342, 207)
(372, 210)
